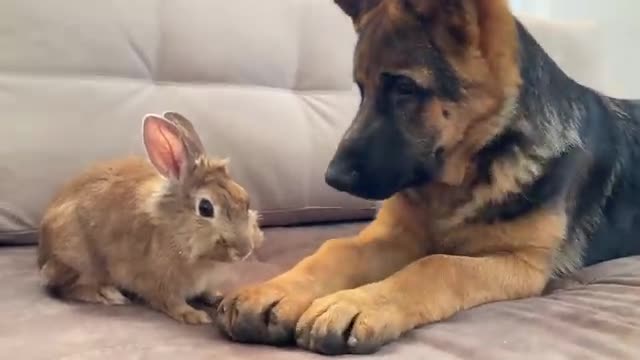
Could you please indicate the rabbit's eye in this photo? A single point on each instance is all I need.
(205, 208)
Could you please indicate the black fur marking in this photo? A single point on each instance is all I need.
(503, 145)
(594, 180)
(618, 231)
(447, 83)
(547, 190)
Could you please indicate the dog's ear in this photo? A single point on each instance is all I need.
(356, 8)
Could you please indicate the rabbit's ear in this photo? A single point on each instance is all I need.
(188, 133)
(165, 146)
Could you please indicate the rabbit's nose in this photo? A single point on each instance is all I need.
(240, 254)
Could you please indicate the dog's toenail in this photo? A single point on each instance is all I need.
(270, 316)
(352, 342)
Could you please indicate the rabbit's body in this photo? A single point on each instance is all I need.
(122, 225)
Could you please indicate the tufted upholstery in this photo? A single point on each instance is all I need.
(267, 84)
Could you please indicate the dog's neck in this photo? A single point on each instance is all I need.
(545, 120)
(540, 124)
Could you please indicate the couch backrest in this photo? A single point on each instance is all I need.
(267, 83)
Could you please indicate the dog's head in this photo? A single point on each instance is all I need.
(435, 77)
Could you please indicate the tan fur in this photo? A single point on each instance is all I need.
(490, 63)
(120, 225)
(395, 285)
(419, 261)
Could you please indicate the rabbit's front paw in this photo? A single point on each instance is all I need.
(188, 315)
(110, 295)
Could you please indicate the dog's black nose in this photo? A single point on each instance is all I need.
(341, 177)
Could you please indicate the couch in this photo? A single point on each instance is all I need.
(268, 84)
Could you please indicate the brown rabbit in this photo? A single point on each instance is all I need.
(155, 228)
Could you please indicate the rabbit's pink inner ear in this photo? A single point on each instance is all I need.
(164, 147)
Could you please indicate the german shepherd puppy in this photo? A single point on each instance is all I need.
(497, 171)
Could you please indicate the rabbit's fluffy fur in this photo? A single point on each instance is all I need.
(153, 227)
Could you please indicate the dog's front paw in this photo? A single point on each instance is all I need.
(265, 314)
(352, 321)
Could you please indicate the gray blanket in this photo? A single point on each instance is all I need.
(593, 315)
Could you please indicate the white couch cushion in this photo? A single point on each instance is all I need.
(267, 83)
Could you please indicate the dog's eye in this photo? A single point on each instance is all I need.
(402, 86)
(205, 208)
(405, 86)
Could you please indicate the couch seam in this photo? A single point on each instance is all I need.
(146, 81)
